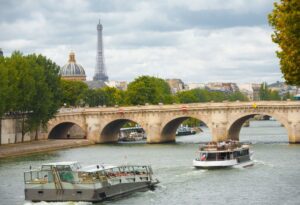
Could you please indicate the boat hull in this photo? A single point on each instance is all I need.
(89, 195)
(221, 164)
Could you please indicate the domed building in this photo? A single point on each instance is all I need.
(72, 70)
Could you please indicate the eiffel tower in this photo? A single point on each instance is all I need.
(100, 71)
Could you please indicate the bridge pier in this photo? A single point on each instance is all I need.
(294, 133)
(154, 135)
(219, 132)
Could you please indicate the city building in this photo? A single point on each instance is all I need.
(222, 87)
(121, 85)
(191, 86)
(247, 90)
(176, 85)
(256, 88)
(72, 70)
(282, 88)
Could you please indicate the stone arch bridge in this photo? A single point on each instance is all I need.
(160, 122)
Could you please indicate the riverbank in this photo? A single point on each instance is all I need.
(14, 150)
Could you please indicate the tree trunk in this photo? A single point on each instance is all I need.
(36, 134)
(16, 130)
(23, 132)
(0, 131)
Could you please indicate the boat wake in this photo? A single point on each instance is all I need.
(259, 162)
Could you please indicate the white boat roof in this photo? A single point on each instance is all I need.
(131, 128)
(96, 167)
(60, 163)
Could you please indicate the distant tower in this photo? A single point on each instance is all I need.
(1, 53)
(100, 72)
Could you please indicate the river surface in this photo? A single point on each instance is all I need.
(274, 178)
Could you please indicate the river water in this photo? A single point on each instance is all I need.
(274, 178)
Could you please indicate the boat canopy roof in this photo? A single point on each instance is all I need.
(68, 163)
(72, 165)
(96, 167)
(100, 167)
(130, 128)
(225, 146)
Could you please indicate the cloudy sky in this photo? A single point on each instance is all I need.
(195, 40)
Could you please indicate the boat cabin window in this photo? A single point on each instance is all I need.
(46, 167)
(66, 176)
(140, 170)
(224, 155)
(239, 153)
(245, 152)
(211, 156)
(38, 177)
(63, 168)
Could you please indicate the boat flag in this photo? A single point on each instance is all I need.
(203, 157)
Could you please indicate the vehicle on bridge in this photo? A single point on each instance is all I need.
(223, 154)
(68, 181)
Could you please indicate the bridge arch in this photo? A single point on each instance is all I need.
(168, 131)
(110, 131)
(235, 124)
(67, 130)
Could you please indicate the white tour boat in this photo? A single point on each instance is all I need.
(223, 154)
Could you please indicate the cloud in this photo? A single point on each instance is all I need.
(195, 40)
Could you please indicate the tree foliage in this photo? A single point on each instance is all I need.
(113, 96)
(267, 94)
(147, 89)
(29, 88)
(202, 95)
(94, 97)
(73, 92)
(285, 19)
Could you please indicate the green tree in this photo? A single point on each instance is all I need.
(53, 82)
(287, 96)
(113, 96)
(29, 88)
(95, 97)
(25, 89)
(73, 92)
(202, 95)
(267, 94)
(3, 87)
(186, 97)
(285, 20)
(237, 96)
(147, 89)
(46, 97)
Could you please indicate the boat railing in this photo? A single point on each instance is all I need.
(214, 146)
(37, 177)
(214, 159)
(116, 174)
